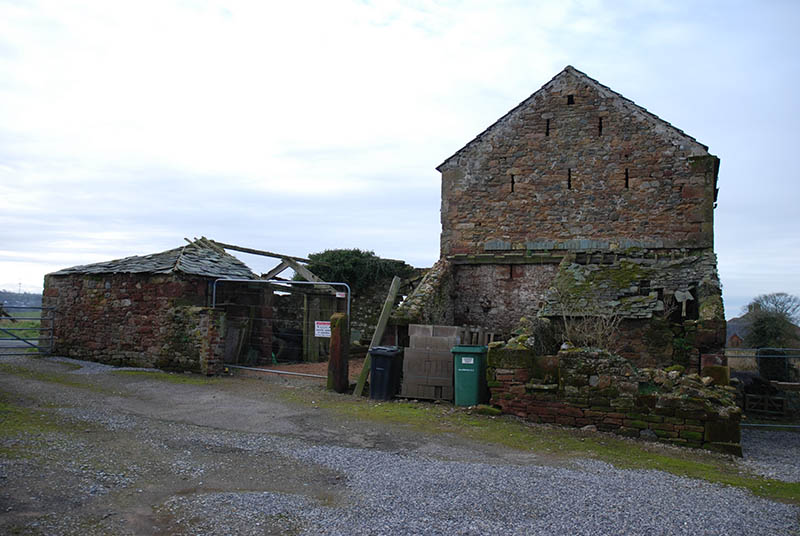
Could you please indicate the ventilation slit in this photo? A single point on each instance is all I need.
(569, 179)
(627, 179)
(570, 99)
(512, 182)
(600, 126)
(547, 128)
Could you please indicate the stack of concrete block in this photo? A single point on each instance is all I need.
(428, 362)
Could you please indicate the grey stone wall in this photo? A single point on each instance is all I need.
(497, 295)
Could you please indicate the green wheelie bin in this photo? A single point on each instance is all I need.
(469, 369)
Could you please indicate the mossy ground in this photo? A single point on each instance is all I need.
(50, 377)
(183, 378)
(558, 444)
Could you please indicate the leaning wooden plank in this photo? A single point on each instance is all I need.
(378, 335)
(259, 252)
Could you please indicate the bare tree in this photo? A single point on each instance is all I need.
(787, 305)
(772, 320)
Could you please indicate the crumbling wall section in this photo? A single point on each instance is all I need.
(432, 301)
(582, 387)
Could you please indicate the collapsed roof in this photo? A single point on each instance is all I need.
(194, 258)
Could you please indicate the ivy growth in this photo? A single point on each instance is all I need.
(359, 269)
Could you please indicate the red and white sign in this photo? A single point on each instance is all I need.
(322, 329)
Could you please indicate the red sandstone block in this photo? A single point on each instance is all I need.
(590, 413)
(616, 415)
(522, 375)
(661, 426)
(615, 422)
(570, 411)
(692, 192)
(517, 389)
(504, 377)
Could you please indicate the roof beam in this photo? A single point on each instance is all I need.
(275, 271)
(259, 252)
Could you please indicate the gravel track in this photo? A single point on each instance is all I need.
(124, 465)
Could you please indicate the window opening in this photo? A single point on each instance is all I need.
(600, 126)
(547, 128)
(570, 99)
(569, 179)
(512, 183)
(627, 179)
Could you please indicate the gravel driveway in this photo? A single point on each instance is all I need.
(132, 455)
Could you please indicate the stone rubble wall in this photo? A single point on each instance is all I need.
(582, 387)
(141, 320)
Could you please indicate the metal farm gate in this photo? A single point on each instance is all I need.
(26, 330)
(768, 382)
(278, 321)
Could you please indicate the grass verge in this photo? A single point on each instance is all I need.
(557, 443)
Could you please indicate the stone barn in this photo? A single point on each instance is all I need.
(154, 310)
(579, 203)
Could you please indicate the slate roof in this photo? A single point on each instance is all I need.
(192, 259)
(625, 102)
(629, 287)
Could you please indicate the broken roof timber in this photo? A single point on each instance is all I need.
(259, 252)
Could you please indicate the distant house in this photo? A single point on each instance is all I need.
(153, 310)
(734, 341)
(580, 203)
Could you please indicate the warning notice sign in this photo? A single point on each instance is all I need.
(322, 329)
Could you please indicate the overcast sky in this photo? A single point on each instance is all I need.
(126, 126)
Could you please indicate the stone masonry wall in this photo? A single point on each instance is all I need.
(585, 387)
(577, 161)
(497, 295)
(135, 320)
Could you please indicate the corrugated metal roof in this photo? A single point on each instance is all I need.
(193, 259)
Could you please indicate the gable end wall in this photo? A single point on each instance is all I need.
(547, 172)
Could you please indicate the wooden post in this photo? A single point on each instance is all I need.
(338, 370)
(378, 335)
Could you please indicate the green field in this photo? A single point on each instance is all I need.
(25, 324)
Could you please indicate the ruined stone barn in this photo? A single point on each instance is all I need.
(580, 203)
(154, 310)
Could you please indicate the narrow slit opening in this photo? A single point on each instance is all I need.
(627, 179)
(600, 126)
(570, 99)
(512, 182)
(547, 128)
(569, 179)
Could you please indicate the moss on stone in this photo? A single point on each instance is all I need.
(511, 358)
(483, 409)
